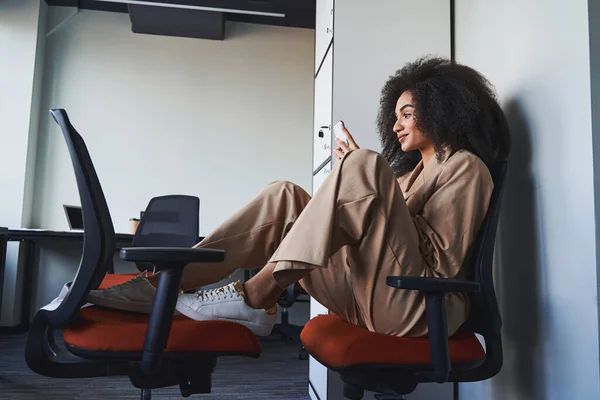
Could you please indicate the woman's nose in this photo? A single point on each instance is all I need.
(398, 127)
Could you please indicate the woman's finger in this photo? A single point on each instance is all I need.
(342, 145)
(351, 142)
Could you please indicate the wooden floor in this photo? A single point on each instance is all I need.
(278, 374)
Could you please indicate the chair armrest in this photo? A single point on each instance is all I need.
(429, 285)
(175, 257)
(171, 262)
(435, 290)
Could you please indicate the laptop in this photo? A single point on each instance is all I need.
(74, 217)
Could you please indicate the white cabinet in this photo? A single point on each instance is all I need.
(322, 114)
(358, 45)
(323, 29)
(319, 178)
(322, 163)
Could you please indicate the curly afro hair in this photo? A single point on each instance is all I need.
(455, 107)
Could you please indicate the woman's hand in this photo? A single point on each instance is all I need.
(342, 148)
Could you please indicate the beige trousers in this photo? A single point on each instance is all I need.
(349, 237)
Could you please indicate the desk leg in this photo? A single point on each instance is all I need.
(3, 241)
(27, 283)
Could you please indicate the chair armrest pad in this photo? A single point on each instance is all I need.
(172, 255)
(430, 285)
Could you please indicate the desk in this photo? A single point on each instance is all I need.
(29, 239)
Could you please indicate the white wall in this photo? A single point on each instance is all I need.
(162, 115)
(216, 119)
(22, 26)
(537, 55)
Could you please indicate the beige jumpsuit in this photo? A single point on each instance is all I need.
(362, 225)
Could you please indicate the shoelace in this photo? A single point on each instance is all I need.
(124, 284)
(218, 293)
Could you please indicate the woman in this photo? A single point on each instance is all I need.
(414, 210)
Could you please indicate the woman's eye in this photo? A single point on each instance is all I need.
(407, 115)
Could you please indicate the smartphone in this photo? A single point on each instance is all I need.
(337, 130)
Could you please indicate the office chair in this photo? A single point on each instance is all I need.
(393, 366)
(286, 300)
(154, 351)
(168, 221)
(290, 331)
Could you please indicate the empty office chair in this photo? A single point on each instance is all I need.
(153, 351)
(168, 221)
(393, 366)
(290, 331)
(292, 295)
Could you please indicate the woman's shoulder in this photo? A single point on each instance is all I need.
(468, 165)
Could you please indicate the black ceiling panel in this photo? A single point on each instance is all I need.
(177, 22)
(298, 13)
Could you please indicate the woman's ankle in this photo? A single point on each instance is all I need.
(258, 298)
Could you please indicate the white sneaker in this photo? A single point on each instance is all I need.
(227, 303)
(135, 295)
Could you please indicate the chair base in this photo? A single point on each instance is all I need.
(291, 332)
(193, 377)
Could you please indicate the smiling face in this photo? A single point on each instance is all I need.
(409, 136)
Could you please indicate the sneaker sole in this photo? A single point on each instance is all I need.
(257, 329)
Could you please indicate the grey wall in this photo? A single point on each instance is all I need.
(594, 26)
(372, 40)
(537, 55)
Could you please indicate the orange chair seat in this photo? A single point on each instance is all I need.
(102, 330)
(338, 344)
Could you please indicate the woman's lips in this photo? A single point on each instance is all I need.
(403, 137)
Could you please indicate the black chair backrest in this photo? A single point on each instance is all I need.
(484, 317)
(168, 221)
(98, 231)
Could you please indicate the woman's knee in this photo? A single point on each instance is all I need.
(367, 161)
(286, 187)
(363, 157)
